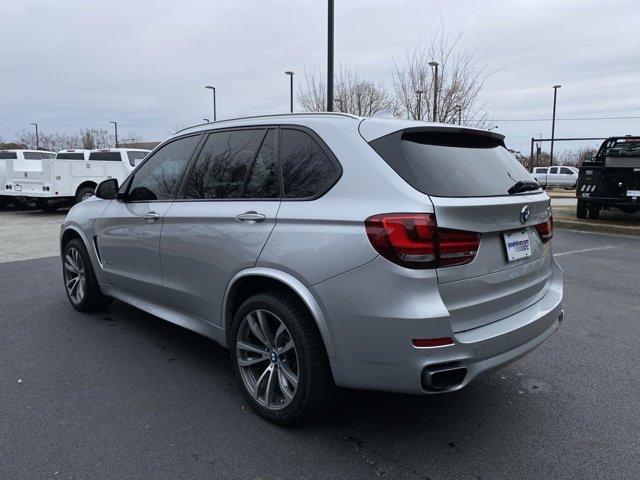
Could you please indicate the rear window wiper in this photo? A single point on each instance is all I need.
(521, 186)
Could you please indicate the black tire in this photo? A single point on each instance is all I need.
(594, 212)
(315, 389)
(92, 298)
(84, 193)
(46, 206)
(581, 209)
(4, 201)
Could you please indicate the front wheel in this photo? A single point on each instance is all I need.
(80, 281)
(279, 358)
(594, 212)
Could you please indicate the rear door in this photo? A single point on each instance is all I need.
(128, 233)
(467, 177)
(225, 212)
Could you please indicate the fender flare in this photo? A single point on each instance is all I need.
(298, 287)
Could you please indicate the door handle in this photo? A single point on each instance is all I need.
(151, 217)
(251, 217)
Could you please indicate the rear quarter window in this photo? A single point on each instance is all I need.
(8, 156)
(70, 156)
(451, 164)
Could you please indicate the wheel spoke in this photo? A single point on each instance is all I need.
(264, 326)
(271, 383)
(71, 284)
(286, 347)
(247, 362)
(72, 264)
(281, 329)
(255, 328)
(284, 385)
(80, 289)
(250, 347)
(264, 375)
(291, 377)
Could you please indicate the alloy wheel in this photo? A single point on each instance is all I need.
(267, 359)
(74, 275)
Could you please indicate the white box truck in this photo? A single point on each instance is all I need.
(73, 175)
(24, 166)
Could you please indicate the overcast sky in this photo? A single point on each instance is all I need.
(74, 64)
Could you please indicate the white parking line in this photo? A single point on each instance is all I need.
(604, 247)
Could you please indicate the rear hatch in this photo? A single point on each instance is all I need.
(467, 175)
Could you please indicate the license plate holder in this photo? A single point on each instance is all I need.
(517, 244)
(17, 188)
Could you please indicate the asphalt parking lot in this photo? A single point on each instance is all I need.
(122, 394)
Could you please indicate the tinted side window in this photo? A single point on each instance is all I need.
(157, 178)
(33, 156)
(553, 170)
(223, 165)
(70, 156)
(306, 169)
(135, 157)
(105, 156)
(8, 155)
(566, 171)
(541, 170)
(263, 179)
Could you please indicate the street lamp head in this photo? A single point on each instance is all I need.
(210, 87)
(206, 120)
(557, 86)
(419, 92)
(288, 72)
(33, 124)
(433, 64)
(113, 122)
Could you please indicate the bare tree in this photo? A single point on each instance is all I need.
(353, 94)
(460, 79)
(91, 138)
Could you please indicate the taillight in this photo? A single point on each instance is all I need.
(413, 240)
(545, 230)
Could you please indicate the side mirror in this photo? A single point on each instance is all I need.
(107, 189)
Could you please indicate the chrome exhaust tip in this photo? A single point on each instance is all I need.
(443, 377)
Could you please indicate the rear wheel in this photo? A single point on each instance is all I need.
(279, 359)
(581, 209)
(85, 193)
(4, 201)
(80, 280)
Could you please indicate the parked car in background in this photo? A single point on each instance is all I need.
(72, 176)
(328, 249)
(611, 178)
(549, 177)
(23, 166)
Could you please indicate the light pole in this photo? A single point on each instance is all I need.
(290, 73)
(459, 108)
(435, 90)
(206, 120)
(419, 94)
(553, 121)
(330, 56)
(115, 125)
(213, 89)
(37, 137)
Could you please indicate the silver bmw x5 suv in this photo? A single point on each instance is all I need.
(328, 250)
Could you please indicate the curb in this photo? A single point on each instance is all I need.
(571, 224)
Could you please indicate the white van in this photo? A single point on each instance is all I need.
(21, 169)
(73, 174)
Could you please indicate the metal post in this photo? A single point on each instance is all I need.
(290, 89)
(115, 124)
(459, 114)
(330, 57)
(531, 156)
(37, 137)
(553, 121)
(419, 93)
(213, 89)
(435, 91)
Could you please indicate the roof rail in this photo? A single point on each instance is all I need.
(340, 114)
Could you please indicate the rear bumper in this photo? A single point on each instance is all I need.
(373, 338)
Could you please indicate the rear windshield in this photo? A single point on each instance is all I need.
(105, 156)
(8, 155)
(452, 164)
(35, 155)
(135, 157)
(70, 156)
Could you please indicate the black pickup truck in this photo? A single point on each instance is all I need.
(611, 178)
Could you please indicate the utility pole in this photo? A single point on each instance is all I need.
(330, 57)
(553, 121)
(459, 114)
(419, 93)
(37, 136)
(115, 124)
(435, 90)
(290, 73)
(213, 89)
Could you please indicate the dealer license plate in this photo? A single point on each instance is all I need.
(517, 243)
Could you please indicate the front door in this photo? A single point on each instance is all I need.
(221, 220)
(128, 233)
